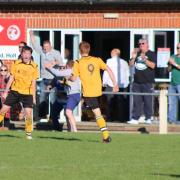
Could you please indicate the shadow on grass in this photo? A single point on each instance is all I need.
(143, 130)
(9, 136)
(59, 138)
(65, 139)
(94, 141)
(167, 175)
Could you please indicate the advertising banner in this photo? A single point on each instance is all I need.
(12, 31)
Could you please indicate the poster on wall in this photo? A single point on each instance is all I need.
(12, 31)
(163, 55)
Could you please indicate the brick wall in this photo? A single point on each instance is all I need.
(94, 18)
(91, 19)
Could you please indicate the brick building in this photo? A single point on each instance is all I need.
(104, 23)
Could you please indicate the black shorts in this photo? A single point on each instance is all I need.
(14, 97)
(91, 102)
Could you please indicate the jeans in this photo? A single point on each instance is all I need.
(44, 98)
(173, 101)
(142, 103)
(44, 95)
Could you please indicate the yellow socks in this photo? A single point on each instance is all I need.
(28, 126)
(2, 117)
(102, 125)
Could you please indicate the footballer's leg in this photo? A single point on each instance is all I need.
(71, 119)
(102, 125)
(9, 101)
(3, 111)
(27, 102)
(28, 123)
(72, 102)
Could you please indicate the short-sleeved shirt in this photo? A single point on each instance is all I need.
(175, 77)
(143, 73)
(23, 75)
(88, 69)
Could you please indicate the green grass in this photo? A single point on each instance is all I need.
(82, 156)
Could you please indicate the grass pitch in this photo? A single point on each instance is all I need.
(82, 156)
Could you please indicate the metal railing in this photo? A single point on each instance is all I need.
(163, 104)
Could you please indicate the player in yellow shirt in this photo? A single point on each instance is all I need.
(22, 86)
(88, 69)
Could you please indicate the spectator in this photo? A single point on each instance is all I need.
(21, 45)
(174, 86)
(59, 104)
(67, 55)
(22, 81)
(4, 77)
(87, 68)
(73, 92)
(120, 68)
(1, 63)
(145, 62)
(48, 54)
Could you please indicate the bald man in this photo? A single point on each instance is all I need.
(120, 69)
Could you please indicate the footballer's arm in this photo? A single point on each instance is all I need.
(34, 91)
(111, 75)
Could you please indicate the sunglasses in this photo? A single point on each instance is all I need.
(3, 70)
(21, 46)
(178, 47)
(141, 44)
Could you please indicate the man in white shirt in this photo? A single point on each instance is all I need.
(120, 68)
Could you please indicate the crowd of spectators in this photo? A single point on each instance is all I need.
(55, 80)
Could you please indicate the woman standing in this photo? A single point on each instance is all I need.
(4, 77)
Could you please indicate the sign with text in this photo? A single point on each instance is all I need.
(163, 55)
(9, 52)
(12, 31)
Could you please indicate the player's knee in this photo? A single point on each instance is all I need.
(4, 109)
(68, 112)
(98, 117)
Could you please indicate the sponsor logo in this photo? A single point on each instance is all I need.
(140, 64)
(13, 32)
